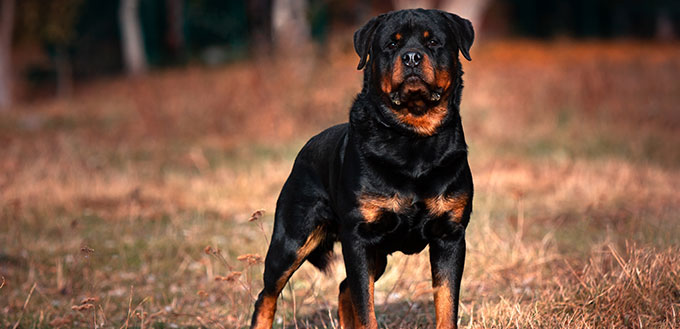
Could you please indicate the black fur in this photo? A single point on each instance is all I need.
(377, 154)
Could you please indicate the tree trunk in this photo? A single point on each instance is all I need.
(665, 27)
(291, 27)
(410, 4)
(6, 26)
(175, 26)
(470, 9)
(260, 26)
(131, 37)
(64, 72)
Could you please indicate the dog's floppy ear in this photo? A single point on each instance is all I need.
(463, 32)
(363, 38)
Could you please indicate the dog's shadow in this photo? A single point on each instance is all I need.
(402, 314)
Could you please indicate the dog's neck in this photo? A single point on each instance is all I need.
(372, 118)
(401, 152)
(378, 112)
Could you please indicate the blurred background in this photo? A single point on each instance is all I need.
(143, 144)
(48, 47)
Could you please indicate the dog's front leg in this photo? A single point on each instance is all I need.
(363, 267)
(447, 257)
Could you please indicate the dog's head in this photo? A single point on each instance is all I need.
(411, 61)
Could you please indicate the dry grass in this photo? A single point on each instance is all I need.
(130, 205)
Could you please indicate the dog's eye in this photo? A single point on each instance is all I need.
(392, 45)
(432, 43)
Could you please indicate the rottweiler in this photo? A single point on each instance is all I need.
(394, 178)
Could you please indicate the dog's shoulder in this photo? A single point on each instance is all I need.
(322, 153)
(324, 144)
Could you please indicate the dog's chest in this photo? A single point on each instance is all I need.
(394, 224)
(405, 223)
(376, 208)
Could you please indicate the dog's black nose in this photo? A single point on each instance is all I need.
(412, 58)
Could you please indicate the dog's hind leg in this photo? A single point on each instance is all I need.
(298, 230)
(345, 308)
(280, 264)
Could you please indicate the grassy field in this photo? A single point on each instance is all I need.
(129, 205)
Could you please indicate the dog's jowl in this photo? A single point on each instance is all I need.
(395, 178)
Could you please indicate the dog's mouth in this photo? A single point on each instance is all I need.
(415, 95)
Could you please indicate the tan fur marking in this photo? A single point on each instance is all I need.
(454, 205)
(392, 78)
(426, 124)
(398, 36)
(371, 206)
(346, 313)
(313, 241)
(443, 306)
(265, 316)
(428, 70)
(371, 295)
(443, 79)
(426, 34)
(372, 322)
(349, 318)
(386, 84)
(397, 73)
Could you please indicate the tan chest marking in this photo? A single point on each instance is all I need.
(454, 205)
(371, 206)
(426, 124)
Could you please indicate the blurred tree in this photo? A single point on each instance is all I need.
(349, 13)
(665, 28)
(217, 30)
(52, 25)
(6, 27)
(131, 37)
(260, 26)
(318, 14)
(381, 6)
(407, 4)
(471, 9)
(59, 33)
(291, 25)
(174, 36)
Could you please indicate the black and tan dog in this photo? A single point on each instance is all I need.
(395, 178)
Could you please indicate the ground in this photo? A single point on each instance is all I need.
(132, 203)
